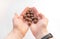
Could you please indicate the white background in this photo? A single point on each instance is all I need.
(50, 8)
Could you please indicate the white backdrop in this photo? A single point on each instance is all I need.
(50, 8)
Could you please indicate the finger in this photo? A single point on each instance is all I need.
(35, 10)
(24, 11)
(16, 15)
(21, 17)
(41, 16)
(44, 19)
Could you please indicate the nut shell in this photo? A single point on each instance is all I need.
(30, 17)
(35, 20)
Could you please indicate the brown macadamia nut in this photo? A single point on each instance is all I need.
(35, 20)
(30, 17)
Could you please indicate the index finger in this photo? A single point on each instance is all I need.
(35, 11)
(24, 11)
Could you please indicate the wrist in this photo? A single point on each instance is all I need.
(17, 33)
(41, 34)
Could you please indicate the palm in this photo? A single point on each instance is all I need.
(41, 25)
(19, 24)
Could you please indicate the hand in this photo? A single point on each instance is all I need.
(19, 24)
(39, 29)
(19, 27)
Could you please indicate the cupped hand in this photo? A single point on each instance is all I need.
(40, 28)
(19, 24)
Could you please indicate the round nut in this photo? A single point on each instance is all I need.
(31, 15)
(28, 19)
(35, 20)
(28, 14)
(32, 18)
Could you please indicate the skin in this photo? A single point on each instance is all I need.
(39, 29)
(20, 27)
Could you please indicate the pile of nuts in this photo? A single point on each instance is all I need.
(30, 17)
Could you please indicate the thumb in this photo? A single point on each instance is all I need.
(16, 15)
